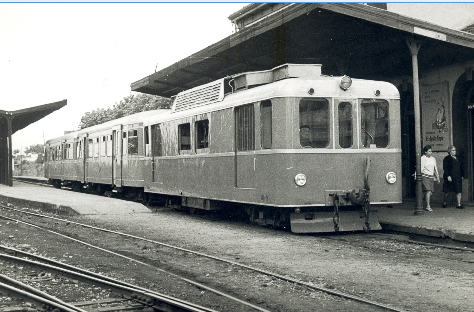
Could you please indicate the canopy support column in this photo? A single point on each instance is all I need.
(414, 46)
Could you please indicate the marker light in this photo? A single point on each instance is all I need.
(300, 179)
(391, 177)
(345, 82)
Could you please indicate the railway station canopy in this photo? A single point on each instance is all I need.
(11, 122)
(358, 40)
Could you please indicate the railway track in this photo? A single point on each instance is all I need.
(130, 297)
(188, 252)
(416, 246)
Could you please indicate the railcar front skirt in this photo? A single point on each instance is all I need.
(327, 221)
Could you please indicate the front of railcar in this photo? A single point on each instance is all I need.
(345, 154)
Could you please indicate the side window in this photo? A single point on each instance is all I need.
(109, 146)
(245, 127)
(96, 147)
(66, 151)
(53, 152)
(314, 123)
(124, 143)
(202, 134)
(102, 146)
(147, 141)
(266, 124)
(69, 151)
(79, 149)
(345, 124)
(157, 148)
(184, 134)
(90, 148)
(374, 124)
(133, 142)
(60, 152)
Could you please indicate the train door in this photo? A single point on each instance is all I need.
(244, 138)
(117, 158)
(157, 151)
(81, 155)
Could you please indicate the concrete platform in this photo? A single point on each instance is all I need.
(66, 202)
(457, 224)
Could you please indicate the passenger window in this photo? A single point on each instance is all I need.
(124, 143)
(109, 146)
(314, 123)
(96, 147)
(245, 127)
(345, 124)
(133, 142)
(79, 149)
(69, 151)
(102, 147)
(90, 148)
(266, 124)
(157, 149)
(202, 134)
(147, 142)
(184, 132)
(374, 123)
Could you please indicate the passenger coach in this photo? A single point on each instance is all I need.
(287, 146)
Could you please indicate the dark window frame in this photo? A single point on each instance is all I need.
(266, 124)
(202, 133)
(184, 137)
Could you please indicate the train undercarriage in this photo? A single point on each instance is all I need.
(344, 210)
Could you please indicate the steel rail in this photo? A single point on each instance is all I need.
(130, 290)
(36, 299)
(143, 263)
(268, 273)
(5, 280)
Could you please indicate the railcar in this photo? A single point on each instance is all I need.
(288, 146)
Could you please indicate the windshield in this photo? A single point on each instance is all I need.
(314, 123)
(374, 123)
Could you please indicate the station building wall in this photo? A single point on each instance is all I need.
(453, 88)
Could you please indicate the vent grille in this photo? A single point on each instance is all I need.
(204, 95)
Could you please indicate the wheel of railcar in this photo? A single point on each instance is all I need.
(77, 187)
(147, 199)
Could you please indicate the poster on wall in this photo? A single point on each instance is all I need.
(435, 116)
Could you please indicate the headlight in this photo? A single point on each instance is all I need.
(345, 82)
(300, 179)
(391, 177)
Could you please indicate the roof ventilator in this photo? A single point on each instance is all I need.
(215, 91)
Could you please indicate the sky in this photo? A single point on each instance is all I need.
(90, 53)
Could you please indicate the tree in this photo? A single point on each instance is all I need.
(131, 104)
(35, 148)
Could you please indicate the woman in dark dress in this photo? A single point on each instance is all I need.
(452, 176)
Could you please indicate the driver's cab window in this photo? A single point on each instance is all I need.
(314, 123)
(374, 123)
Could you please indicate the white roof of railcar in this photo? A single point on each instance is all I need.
(288, 80)
(291, 87)
(126, 120)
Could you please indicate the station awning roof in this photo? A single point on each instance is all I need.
(24, 117)
(346, 38)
